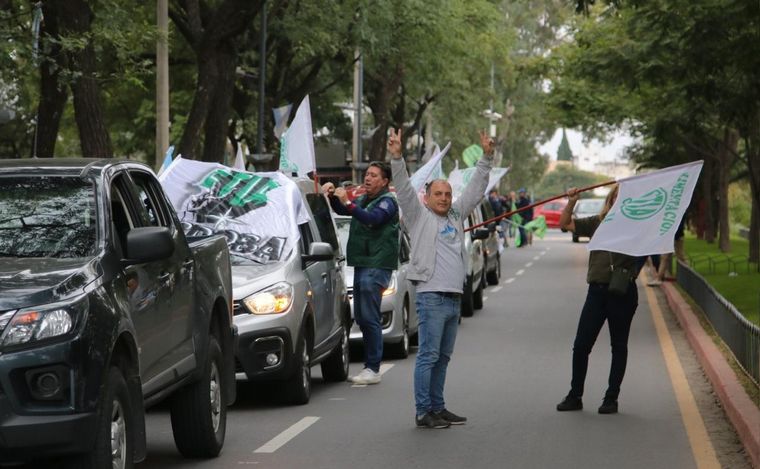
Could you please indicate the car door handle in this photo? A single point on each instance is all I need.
(188, 262)
(164, 277)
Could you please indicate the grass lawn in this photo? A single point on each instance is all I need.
(729, 273)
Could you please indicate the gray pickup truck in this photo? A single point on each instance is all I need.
(105, 309)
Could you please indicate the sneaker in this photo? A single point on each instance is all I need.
(430, 420)
(367, 376)
(450, 417)
(654, 283)
(570, 403)
(609, 406)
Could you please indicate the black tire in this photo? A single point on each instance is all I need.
(575, 238)
(199, 411)
(298, 387)
(401, 348)
(114, 443)
(477, 296)
(468, 309)
(335, 367)
(494, 275)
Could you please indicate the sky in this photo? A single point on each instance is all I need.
(590, 154)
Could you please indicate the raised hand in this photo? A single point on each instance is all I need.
(328, 188)
(341, 194)
(394, 143)
(486, 142)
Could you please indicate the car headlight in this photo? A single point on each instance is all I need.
(40, 323)
(273, 300)
(391, 286)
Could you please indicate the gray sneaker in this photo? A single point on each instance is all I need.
(430, 420)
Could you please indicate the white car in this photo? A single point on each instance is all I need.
(399, 314)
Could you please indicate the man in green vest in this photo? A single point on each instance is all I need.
(373, 245)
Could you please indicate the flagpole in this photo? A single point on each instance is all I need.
(521, 209)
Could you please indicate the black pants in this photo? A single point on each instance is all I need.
(618, 311)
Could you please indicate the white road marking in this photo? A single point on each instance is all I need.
(337, 399)
(520, 272)
(528, 264)
(496, 288)
(509, 280)
(485, 298)
(537, 257)
(277, 442)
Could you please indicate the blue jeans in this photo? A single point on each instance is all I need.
(438, 322)
(369, 284)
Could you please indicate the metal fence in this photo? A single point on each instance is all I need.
(740, 335)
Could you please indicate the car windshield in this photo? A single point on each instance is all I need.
(588, 207)
(45, 216)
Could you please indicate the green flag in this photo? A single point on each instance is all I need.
(471, 155)
(537, 225)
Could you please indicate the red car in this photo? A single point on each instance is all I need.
(551, 212)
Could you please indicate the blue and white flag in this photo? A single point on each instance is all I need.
(297, 144)
(646, 213)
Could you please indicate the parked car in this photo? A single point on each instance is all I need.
(105, 309)
(493, 244)
(586, 208)
(294, 313)
(551, 212)
(398, 310)
(475, 282)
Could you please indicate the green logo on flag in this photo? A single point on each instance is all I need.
(645, 206)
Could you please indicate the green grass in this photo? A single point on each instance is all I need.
(731, 279)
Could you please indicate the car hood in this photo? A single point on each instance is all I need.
(34, 281)
(248, 279)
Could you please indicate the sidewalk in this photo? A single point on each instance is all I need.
(742, 412)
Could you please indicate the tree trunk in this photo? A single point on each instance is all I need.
(52, 93)
(726, 160)
(76, 20)
(705, 217)
(753, 161)
(219, 113)
(381, 90)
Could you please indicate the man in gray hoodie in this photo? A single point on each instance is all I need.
(437, 268)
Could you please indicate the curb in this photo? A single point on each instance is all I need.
(742, 412)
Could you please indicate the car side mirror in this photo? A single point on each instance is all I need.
(148, 244)
(480, 233)
(318, 252)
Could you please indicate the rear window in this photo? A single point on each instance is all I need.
(45, 216)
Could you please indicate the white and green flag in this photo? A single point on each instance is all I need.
(297, 143)
(647, 211)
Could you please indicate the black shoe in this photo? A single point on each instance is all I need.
(450, 417)
(570, 403)
(609, 406)
(430, 420)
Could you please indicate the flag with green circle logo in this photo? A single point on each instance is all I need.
(644, 218)
(471, 155)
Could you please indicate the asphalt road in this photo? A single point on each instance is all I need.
(510, 367)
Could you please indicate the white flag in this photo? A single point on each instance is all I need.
(459, 178)
(644, 218)
(281, 116)
(258, 213)
(239, 160)
(430, 170)
(297, 144)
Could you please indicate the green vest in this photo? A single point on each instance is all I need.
(373, 246)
